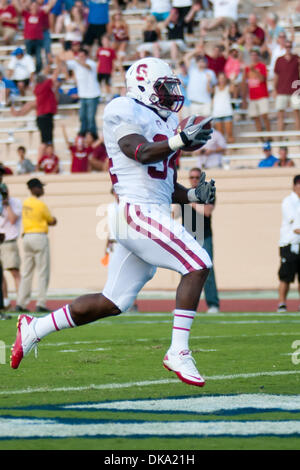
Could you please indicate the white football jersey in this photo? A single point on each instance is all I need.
(134, 182)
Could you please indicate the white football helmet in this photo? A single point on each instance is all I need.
(152, 82)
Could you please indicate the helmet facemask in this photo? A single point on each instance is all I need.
(167, 94)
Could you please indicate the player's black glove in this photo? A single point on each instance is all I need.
(204, 193)
(193, 135)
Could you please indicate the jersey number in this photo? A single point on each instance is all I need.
(161, 174)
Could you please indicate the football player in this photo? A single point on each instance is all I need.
(139, 134)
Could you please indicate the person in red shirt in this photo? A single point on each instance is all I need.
(216, 61)
(35, 23)
(287, 86)
(106, 57)
(8, 22)
(49, 162)
(255, 83)
(45, 105)
(98, 158)
(80, 153)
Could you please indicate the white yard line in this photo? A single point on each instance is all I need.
(145, 383)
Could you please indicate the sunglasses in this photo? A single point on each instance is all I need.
(194, 177)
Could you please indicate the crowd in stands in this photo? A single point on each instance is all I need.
(251, 65)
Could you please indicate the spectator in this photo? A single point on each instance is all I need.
(46, 107)
(287, 86)
(98, 158)
(56, 10)
(24, 165)
(233, 70)
(211, 155)
(277, 50)
(85, 71)
(45, 6)
(272, 28)
(160, 9)
(34, 26)
(151, 36)
(10, 91)
(5, 170)
(106, 57)
(183, 76)
(269, 160)
(49, 162)
(74, 27)
(184, 7)
(200, 85)
(233, 34)
(225, 12)
(197, 220)
(175, 36)
(36, 221)
(98, 19)
(255, 81)
(80, 153)
(289, 243)
(67, 97)
(216, 61)
(222, 108)
(247, 48)
(118, 29)
(10, 225)
(8, 22)
(21, 69)
(284, 161)
(257, 32)
(70, 54)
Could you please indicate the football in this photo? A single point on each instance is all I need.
(182, 125)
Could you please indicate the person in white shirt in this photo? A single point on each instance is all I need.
(10, 225)
(289, 243)
(211, 154)
(225, 12)
(21, 68)
(200, 84)
(85, 71)
(222, 108)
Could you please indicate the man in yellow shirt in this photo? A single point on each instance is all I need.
(36, 220)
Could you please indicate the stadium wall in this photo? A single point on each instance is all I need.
(246, 225)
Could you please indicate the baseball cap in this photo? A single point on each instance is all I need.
(18, 51)
(35, 183)
(267, 146)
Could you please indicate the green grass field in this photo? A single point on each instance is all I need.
(102, 386)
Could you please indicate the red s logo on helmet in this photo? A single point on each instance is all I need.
(141, 72)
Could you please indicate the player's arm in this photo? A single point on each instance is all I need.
(136, 146)
(204, 193)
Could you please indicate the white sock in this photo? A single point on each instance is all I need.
(182, 324)
(55, 321)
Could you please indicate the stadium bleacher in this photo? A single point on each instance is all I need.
(135, 19)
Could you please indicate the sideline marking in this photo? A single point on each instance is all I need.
(12, 428)
(143, 383)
